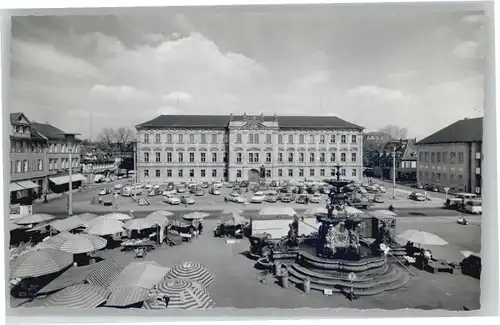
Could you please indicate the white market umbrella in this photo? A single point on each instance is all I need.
(138, 224)
(195, 215)
(183, 294)
(105, 226)
(159, 217)
(383, 213)
(315, 210)
(422, 238)
(233, 220)
(34, 218)
(81, 243)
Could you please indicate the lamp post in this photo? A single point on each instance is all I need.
(394, 172)
(70, 142)
(134, 145)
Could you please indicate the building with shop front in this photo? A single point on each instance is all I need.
(28, 170)
(452, 157)
(39, 160)
(255, 148)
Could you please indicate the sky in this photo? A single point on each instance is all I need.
(419, 68)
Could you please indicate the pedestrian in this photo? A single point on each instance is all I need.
(307, 199)
(200, 227)
(45, 198)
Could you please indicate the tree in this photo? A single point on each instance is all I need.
(395, 132)
(107, 136)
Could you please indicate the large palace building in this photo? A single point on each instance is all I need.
(174, 148)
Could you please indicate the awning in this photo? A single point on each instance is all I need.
(65, 179)
(28, 184)
(15, 187)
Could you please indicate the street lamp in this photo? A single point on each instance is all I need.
(394, 172)
(134, 145)
(70, 142)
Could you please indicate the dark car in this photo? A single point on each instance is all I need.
(417, 185)
(170, 187)
(273, 184)
(301, 199)
(199, 192)
(204, 185)
(244, 184)
(432, 188)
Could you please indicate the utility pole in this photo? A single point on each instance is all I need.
(394, 172)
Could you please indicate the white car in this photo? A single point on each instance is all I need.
(315, 198)
(181, 189)
(258, 197)
(172, 199)
(214, 191)
(235, 197)
(217, 184)
(118, 186)
(381, 188)
(166, 193)
(104, 191)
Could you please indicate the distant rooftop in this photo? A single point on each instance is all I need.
(466, 130)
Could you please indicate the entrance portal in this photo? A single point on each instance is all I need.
(253, 176)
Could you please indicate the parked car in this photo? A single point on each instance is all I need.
(204, 185)
(432, 188)
(217, 184)
(381, 188)
(214, 191)
(172, 199)
(235, 197)
(315, 198)
(170, 187)
(453, 203)
(358, 203)
(230, 185)
(258, 197)
(199, 192)
(118, 186)
(187, 199)
(474, 206)
(244, 184)
(416, 196)
(301, 199)
(271, 197)
(152, 193)
(181, 189)
(418, 186)
(104, 191)
(287, 198)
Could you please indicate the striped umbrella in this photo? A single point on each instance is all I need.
(117, 216)
(105, 226)
(183, 294)
(40, 262)
(138, 224)
(77, 296)
(192, 271)
(81, 243)
(87, 216)
(54, 241)
(159, 217)
(195, 215)
(35, 218)
(126, 296)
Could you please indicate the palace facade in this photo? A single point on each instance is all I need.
(174, 148)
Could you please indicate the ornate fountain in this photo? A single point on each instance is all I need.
(338, 259)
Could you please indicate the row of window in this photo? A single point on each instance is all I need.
(180, 157)
(253, 157)
(55, 165)
(441, 177)
(180, 173)
(290, 173)
(20, 129)
(441, 157)
(180, 138)
(23, 166)
(28, 146)
(253, 138)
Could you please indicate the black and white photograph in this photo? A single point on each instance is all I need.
(282, 156)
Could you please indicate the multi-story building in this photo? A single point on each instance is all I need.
(57, 159)
(39, 159)
(28, 170)
(452, 157)
(214, 147)
(96, 163)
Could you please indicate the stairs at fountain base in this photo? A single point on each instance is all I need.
(392, 278)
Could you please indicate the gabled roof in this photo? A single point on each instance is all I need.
(466, 130)
(222, 121)
(50, 131)
(410, 152)
(14, 116)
